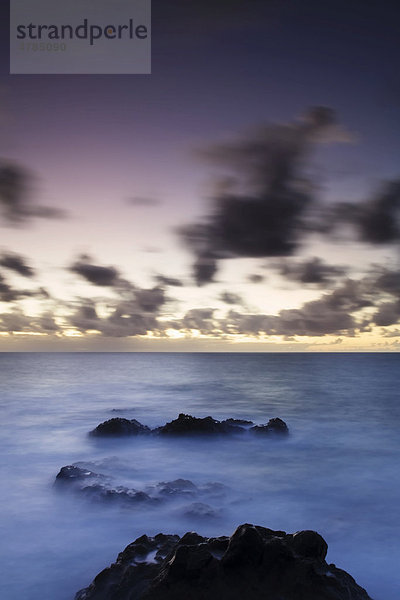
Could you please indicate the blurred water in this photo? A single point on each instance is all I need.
(337, 473)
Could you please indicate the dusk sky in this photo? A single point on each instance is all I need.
(245, 196)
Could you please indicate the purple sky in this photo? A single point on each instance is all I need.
(121, 156)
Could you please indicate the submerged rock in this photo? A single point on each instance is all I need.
(199, 510)
(99, 488)
(255, 563)
(119, 426)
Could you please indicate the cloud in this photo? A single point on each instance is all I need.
(16, 206)
(134, 312)
(313, 271)
(199, 319)
(98, 275)
(7, 293)
(265, 207)
(377, 220)
(231, 298)
(333, 313)
(149, 300)
(17, 321)
(387, 314)
(168, 281)
(10, 294)
(16, 262)
(255, 278)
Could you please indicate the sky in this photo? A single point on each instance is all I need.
(245, 196)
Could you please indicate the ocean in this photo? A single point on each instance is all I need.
(337, 472)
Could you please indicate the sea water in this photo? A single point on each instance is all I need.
(337, 472)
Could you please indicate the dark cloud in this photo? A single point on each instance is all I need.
(168, 281)
(386, 281)
(266, 208)
(376, 221)
(231, 298)
(16, 205)
(313, 271)
(98, 275)
(17, 263)
(149, 300)
(387, 314)
(255, 278)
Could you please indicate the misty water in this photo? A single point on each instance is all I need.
(337, 472)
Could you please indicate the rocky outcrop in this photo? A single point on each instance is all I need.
(119, 426)
(255, 563)
(186, 425)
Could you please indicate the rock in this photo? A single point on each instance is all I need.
(186, 424)
(74, 474)
(273, 426)
(310, 545)
(98, 488)
(255, 563)
(119, 426)
(238, 422)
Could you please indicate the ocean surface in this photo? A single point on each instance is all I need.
(337, 473)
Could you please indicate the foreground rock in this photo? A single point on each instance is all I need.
(186, 425)
(255, 563)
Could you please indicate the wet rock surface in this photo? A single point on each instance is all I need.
(255, 563)
(185, 425)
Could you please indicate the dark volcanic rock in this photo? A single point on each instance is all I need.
(186, 424)
(255, 563)
(119, 426)
(273, 426)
